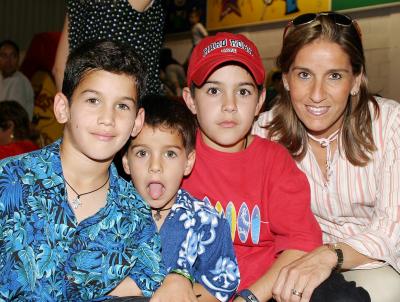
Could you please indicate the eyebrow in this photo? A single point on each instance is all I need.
(329, 71)
(134, 145)
(128, 98)
(239, 84)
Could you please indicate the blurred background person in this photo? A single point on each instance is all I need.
(16, 136)
(13, 84)
(172, 73)
(138, 23)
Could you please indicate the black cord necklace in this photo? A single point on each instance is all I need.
(157, 215)
(76, 202)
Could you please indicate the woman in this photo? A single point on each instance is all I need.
(15, 133)
(347, 143)
(139, 23)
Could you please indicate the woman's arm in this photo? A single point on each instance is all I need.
(61, 56)
(309, 271)
(262, 288)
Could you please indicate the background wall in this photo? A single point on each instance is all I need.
(380, 33)
(21, 19)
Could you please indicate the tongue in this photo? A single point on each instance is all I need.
(155, 190)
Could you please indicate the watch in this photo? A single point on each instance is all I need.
(334, 247)
(247, 295)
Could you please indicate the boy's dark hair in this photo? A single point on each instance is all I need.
(161, 111)
(104, 55)
(11, 43)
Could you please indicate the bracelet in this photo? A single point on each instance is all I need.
(339, 253)
(183, 273)
(247, 295)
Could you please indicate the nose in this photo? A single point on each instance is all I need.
(155, 165)
(318, 93)
(229, 104)
(106, 116)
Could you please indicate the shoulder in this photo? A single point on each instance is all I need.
(262, 120)
(387, 108)
(125, 197)
(185, 200)
(268, 146)
(32, 160)
(21, 78)
(385, 126)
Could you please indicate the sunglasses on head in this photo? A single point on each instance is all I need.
(337, 18)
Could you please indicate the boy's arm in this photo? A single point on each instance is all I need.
(202, 294)
(127, 287)
(175, 288)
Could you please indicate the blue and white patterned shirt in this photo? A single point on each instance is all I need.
(45, 255)
(196, 239)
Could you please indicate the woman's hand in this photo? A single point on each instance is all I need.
(175, 288)
(297, 281)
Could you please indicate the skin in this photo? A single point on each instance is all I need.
(319, 81)
(319, 86)
(98, 121)
(8, 60)
(6, 134)
(63, 45)
(226, 105)
(157, 155)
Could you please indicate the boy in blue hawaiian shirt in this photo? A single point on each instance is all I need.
(70, 228)
(195, 239)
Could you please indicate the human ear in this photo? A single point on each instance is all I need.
(139, 120)
(285, 82)
(125, 163)
(261, 100)
(355, 89)
(190, 163)
(187, 96)
(61, 108)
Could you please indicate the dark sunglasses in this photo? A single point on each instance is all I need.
(338, 19)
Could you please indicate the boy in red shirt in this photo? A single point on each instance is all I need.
(254, 181)
(265, 197)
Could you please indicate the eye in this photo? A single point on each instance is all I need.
(141, 153)
(335, 76)
(304, 75)
(212, 90)
(244, 92)
(123, 106)
(93, 101)
(170, 154)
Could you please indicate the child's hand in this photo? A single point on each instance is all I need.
(175, 288)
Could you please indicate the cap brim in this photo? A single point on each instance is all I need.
(200, 75)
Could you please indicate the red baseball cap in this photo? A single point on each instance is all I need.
(212, 51)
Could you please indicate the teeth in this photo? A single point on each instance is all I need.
(317, 110)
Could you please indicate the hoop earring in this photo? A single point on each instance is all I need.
(354, 93)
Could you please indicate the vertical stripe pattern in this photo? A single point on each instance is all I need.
(360, 206)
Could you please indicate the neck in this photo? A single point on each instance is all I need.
(79, 169)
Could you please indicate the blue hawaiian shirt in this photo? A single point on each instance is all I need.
(196, 239)
(45, 255)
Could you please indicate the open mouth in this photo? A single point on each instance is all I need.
(155, 189)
